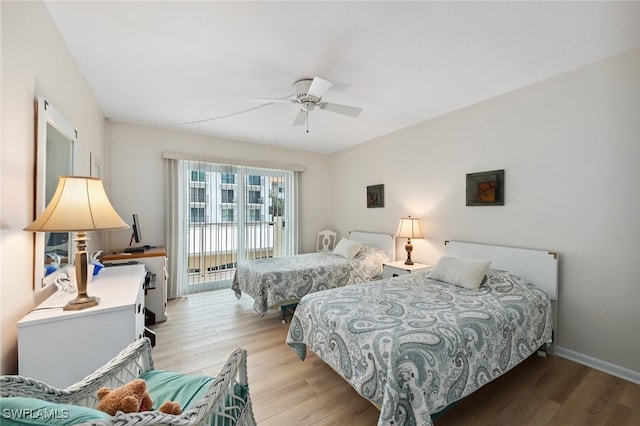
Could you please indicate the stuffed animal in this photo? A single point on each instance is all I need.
(132, 398)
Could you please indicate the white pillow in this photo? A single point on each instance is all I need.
(467, 273)
(347, 248)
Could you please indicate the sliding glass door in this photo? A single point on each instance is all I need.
(233, 213)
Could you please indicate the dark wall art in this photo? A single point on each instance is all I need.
(375, 196)
(485, 188)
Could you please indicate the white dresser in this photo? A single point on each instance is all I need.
(62, 347)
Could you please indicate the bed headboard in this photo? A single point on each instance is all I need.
(386, 242)
(540, 267)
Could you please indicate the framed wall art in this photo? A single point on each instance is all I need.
(375, 196)
(485, 188)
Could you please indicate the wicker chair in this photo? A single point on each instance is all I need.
(225, 402)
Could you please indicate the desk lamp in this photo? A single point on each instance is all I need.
(79, 204)
(409, 228)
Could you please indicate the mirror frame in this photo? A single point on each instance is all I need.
(46, 114)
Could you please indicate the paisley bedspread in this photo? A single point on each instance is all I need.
(277, 281)
(412, 345)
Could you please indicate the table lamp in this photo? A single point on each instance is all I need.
(409, 228)
(79, 204)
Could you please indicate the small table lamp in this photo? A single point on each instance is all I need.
(409, 227)
(79, 204)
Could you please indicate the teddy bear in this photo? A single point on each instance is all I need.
(132, 397)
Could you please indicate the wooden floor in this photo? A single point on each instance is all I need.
(203, 329)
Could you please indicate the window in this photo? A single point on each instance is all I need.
(255, 197)
(198, 195)
(227, 215)
(276, 197)
(226, 196)
(254, 215)
(197, 215)
(197, 176)
(253, 180)
(227, 178)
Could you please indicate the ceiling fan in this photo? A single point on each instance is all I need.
(308, 94)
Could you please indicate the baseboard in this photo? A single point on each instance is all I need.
(598, 364)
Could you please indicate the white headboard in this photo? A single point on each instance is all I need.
(539, 267)
(386, 242)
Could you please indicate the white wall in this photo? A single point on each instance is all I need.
(35, 62)
(137, 179)
(570, 147)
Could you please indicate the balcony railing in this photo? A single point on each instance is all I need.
(214, 247)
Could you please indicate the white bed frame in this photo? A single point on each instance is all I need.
(386, 242)
(539, 267)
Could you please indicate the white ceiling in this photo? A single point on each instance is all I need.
(163, 63)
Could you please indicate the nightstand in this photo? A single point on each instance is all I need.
(395, 269)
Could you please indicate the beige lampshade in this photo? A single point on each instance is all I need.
(79, 204)
(409, 227)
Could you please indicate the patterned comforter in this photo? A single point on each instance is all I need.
(412, 345)
(277, 281)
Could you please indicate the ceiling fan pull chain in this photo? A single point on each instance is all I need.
(307, 119)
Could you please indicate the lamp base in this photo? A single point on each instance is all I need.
(80, 302)
(409, 248)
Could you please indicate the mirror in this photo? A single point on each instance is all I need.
(55, 156)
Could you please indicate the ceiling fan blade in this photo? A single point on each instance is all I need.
(319, 87)
(301, 118)
(341, 109)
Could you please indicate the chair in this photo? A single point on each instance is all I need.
(326, 241)
(226, 401)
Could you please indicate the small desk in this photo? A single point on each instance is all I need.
(121, 255)
(155, 259)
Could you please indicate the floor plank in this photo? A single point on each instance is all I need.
(203, 329)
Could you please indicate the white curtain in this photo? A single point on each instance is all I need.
(222, 213)
(175, 201)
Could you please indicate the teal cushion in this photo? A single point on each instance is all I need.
(183, 388)
(32, 411)
(187, 389)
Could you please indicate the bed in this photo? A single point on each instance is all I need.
(280, 282)
(413, 345)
